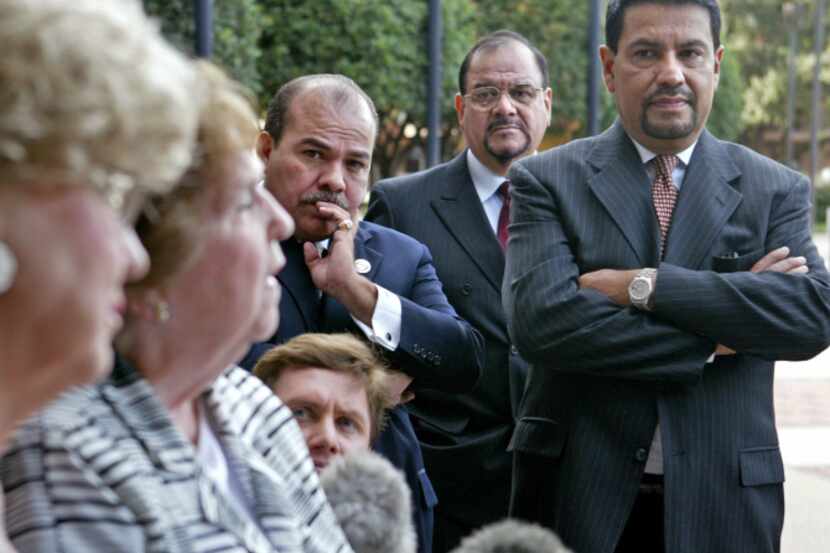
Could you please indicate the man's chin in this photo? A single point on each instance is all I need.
(671, 129)
(508, 150)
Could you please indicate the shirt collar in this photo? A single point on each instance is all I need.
(485, 181)
(647, 155)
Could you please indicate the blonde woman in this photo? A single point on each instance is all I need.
(95, 111)
(176, 452)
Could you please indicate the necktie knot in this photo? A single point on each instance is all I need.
(665, 164)
(504, 190)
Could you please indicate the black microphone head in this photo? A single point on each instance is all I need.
(372, 503)
(512, 536)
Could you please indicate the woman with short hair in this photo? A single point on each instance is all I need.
(87, 127)
(177, 451)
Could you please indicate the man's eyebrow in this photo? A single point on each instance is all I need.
(645, 43)
(694, 43)
(657, 45)
(355, 414)
(360, 154)
(315, 142)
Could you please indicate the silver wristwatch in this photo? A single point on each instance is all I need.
(641, 289)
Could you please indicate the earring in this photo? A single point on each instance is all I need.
(162, 309)
(8, 267)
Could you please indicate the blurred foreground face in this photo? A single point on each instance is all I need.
(227, 294)
(86, 132)
(331, 407)
(74, 255)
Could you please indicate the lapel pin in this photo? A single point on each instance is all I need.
(362, 266)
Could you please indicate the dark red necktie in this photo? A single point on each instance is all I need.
(504, 214)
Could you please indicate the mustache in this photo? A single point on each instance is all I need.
(681, 90)
(335, 198)
(506, 121)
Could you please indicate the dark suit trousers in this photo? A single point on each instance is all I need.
(399, 445)
(643, 531)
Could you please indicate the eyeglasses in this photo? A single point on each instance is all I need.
(486, 97)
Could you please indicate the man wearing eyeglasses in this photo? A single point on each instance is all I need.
(460, 210)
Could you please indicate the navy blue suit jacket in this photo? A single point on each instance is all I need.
(437, 348)
(603, 375)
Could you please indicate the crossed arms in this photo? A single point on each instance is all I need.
(566, 318)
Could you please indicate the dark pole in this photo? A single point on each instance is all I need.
(434, 40)
(815, 152)
(594, 68)
(792, 18)
(203, 14)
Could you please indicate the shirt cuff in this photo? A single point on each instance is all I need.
(386, 320)
(711, 358)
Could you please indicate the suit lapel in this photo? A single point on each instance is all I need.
(459, 208)
(335, 317)
(704, 205)
(622, 186)
(296, 280)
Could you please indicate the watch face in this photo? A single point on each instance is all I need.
(639, 288)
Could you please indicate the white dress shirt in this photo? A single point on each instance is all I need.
(487, 185)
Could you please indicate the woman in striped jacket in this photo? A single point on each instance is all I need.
(86, 127)
(176, 452)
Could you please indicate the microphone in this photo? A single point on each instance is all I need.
(371, 501)
(512, 536)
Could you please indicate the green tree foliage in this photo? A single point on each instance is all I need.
(560, 31)
(236, 33)
(725, 119)
(758, 37)
(381, 44)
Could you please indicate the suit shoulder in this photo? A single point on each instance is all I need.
(573, 152)
(389, 238)
(753, 163)
(429, 179)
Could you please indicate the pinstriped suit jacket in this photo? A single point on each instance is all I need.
(104, 469)
(602, 375)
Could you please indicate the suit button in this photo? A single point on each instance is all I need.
(466, 289)
(513, 350)
(641, 454)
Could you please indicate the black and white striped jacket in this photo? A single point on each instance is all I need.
(104, 469)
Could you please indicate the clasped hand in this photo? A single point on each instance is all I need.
(334, 273)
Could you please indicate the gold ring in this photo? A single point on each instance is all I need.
(345, 224)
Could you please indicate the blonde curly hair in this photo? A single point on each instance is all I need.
(90, 94)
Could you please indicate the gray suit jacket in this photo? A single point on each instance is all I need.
(603, 375)
(463, 436)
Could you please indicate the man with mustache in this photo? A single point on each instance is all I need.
(342, 275)
(655, 273)
(460, 211)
